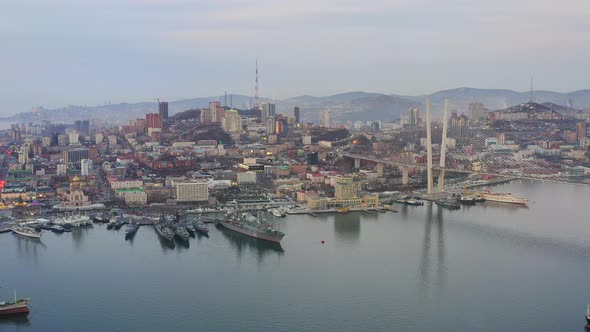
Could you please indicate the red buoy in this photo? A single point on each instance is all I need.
(323, 241)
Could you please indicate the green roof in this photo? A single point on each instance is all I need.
(129, 190)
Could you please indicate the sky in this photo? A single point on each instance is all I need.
(61, 52)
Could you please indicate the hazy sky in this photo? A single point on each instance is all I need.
(87, 52)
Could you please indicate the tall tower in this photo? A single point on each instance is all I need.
(429, 148)
(256, 96)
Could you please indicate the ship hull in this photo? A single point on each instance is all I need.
(14, 309)
(165, 236)
(509, 200)
(29, 235)
(250, 233)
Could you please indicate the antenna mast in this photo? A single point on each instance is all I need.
(256, 105)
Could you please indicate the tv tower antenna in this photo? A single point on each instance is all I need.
(256, 105)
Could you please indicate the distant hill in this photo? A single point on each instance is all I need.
(353, 106)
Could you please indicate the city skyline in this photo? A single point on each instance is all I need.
(91, 53)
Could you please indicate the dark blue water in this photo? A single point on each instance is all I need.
(485, 268)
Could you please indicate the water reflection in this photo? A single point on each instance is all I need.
(28, 247)
(505, 206)
(347, 226)
(427, 262)
(242, 244)
(19, 320)
(79, 233)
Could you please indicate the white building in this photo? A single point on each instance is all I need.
(112, 140)
(98, 138)
(192, 191)
(61, 169)
(46, 141)
(23, 154)
(126, 184)
(86, 166)
(74, 138)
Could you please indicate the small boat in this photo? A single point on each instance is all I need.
(26, 231)
(13, 308)
(452, 204)
(343, 210)
(201, 228)
(467, 200)
(131, 229)
(111, 225)
(181, 232)
(279, 213)
(413, 202)
(57, 229)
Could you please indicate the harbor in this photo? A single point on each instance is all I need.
(418, 259)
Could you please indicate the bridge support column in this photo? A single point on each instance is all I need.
(443, 148)
(380, 169)
(430, 179)
(357, 163)
(405, 175)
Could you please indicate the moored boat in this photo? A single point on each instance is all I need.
(26, 231)
(164, 231)
(588, 316)
(279, 213)
(181, 232)
(503, 197)
(131, 229)
(252, 227)
(57, 229)
(201, 228)
(467, 200)
(15, 307)
(190, 228)
(452, 204)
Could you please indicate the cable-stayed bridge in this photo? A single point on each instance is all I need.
(527, 148)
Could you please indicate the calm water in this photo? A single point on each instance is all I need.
(485, 268)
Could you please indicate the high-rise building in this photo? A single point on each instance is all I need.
(414, 117)
(347, 187)
(325, 120)
(458, 126)
(266, 111)
(98, 138)
(297, 114)
(16, 135)
(86, 167)
(23, 154)
(153, 120)
(192, 191)
(85, 128)
(75, 156)
(163, 110)
(232, 121)
(73, 138)
(46, 141)
(581, 131)
(270, 125)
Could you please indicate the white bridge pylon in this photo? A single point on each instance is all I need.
(443, 148)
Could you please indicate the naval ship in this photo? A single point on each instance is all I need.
(250, 225)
